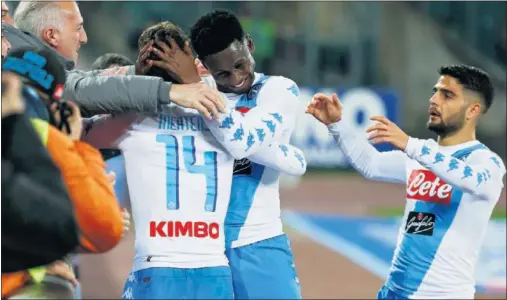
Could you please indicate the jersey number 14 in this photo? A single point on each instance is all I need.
(208, 169)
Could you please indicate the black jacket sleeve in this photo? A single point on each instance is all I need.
(38, 222)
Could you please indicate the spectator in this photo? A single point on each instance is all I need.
(111, 60)
(65, 34)
(98, 214)
(36, 209)
(93, 93)
(37, 212)
(81, 165)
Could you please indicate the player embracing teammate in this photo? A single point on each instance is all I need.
(194, 220)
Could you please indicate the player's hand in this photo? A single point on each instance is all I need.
(201, 69)
(125, 216)
(75, 120)
(111, 176)
(12, 100)
(386, 131)
(63, 270)
(176, 61)
(198, 96)
(326, 110)
(143, 64)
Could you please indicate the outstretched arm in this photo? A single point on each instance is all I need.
(98, 94)
(372, 164)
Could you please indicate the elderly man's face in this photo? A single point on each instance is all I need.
(69, 40)
(6, 17)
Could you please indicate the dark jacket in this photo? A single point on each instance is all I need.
(38, 222)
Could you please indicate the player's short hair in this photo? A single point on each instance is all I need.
(108, 59)
(473, 79)
(214, 32)
(159, 32)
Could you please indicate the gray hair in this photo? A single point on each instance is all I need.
(36, 16)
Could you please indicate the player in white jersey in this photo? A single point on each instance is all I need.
(258, 250)
(453, 185)
(179, 171)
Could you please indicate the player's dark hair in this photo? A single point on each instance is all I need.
(108, 59)
(473, 79)
(215, 32)
(159, 32)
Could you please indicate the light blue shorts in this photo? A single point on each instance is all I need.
(264, 270)
(175, 283)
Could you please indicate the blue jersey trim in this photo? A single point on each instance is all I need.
(417, 252)
(243, 186)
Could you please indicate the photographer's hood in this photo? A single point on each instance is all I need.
(40, 67)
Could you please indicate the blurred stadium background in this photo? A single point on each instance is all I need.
(381, 57)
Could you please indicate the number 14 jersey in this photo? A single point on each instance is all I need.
(179, 179)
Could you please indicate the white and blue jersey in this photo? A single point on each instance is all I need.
(179, 170)
(254, 210)
(451, 192)
(179, 180)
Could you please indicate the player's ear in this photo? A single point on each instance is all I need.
(250, 43)
(203, 63)
(473, 111)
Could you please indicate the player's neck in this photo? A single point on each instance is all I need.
(461, 136)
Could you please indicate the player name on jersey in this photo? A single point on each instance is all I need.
(182, 123)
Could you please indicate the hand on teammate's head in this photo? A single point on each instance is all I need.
(176, 61)
(143, 64)
(325, 109)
